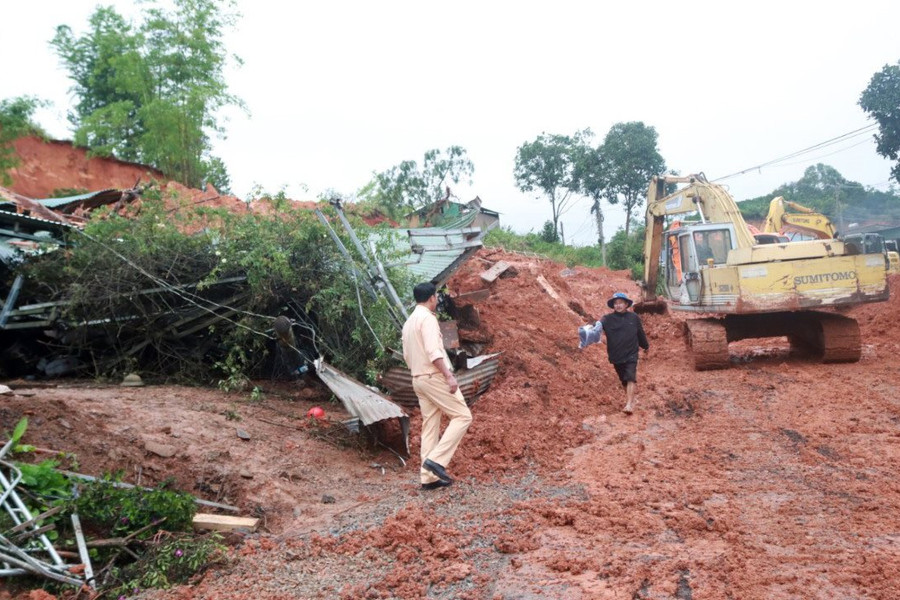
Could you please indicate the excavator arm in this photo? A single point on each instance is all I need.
(805, 220)
(710, 200)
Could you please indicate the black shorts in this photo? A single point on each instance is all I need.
(626, 371)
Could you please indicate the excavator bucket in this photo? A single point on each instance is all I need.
(657, 306)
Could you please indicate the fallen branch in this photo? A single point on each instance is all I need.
(122, 484)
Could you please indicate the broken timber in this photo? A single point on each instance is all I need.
(494, 272)
(225, 523)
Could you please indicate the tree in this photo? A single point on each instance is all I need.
(405, 187)
(151, 93)
(547, 165)
(592, 178)
(881, 99)
(15, 121)
(633, 158)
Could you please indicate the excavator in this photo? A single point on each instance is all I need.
(816, 225)
(805, 221)
(714, 265)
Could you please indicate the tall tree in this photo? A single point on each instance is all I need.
(633, 158)
(406, 187)
(881, 99)
(16, 116)
(151, 93)
(592, 178)
(547, 165)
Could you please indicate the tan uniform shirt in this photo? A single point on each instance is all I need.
(422, 342)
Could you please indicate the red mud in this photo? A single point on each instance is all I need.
(775, 479)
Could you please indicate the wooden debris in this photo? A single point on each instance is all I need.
(471, 297)
(547, 287)
(450, 334)
(494, 272)
(224, 522)
(83, 551)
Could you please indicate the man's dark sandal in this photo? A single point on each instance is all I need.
(434, 485)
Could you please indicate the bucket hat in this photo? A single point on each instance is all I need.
(618, 295)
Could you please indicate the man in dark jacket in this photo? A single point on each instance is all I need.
(624, 335)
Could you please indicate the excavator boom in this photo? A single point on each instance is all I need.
(804, 220)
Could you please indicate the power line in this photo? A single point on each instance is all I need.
(835, 140)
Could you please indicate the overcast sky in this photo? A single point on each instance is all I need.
(337, 90)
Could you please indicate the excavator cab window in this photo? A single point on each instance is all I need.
(712, 244)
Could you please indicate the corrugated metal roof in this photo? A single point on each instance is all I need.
(360, 401)
(472, 381)
(66, 203)
(434, 253)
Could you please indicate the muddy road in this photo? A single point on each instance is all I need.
(775, 479)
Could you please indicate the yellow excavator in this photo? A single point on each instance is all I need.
(805, 220)
(809, 223)
(715, 265)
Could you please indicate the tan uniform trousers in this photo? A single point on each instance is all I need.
(435, 399)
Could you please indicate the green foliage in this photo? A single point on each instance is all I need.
(632, 159)
(626, 251)
(881, 100)
(108, 511)
(547, 165)
(405, 187)
(260, 265)
(592, 178)
(548, 233)
(588, 256)
(150, 93)
(16, 120)
(823, 189)
(43, 480)
(172, 562)
(119, 511)
(67, 192)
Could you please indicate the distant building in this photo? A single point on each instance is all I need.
(446, 213)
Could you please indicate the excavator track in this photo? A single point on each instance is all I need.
(831, 338)
(708, 343)
(840, 339)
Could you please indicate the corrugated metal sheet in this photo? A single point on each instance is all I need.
(360, 401)
(473, 381)
(434, 253)
(87, 201)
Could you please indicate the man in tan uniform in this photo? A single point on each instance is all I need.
(436, 388)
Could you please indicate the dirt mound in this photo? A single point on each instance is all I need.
(51, 165)
(775, 479)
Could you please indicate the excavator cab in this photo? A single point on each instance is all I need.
(690, 250)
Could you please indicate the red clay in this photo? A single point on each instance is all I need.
(775, 479)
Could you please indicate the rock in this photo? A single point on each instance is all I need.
(5, 390)
(65, 424)
(326, 499)
(132, 380)
(160, 449)
(243, 434)
(246, 474)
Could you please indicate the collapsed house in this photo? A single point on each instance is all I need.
(179, 315)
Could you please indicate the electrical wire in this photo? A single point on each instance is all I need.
(801, 162)
(813, 148)
(188, 297)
